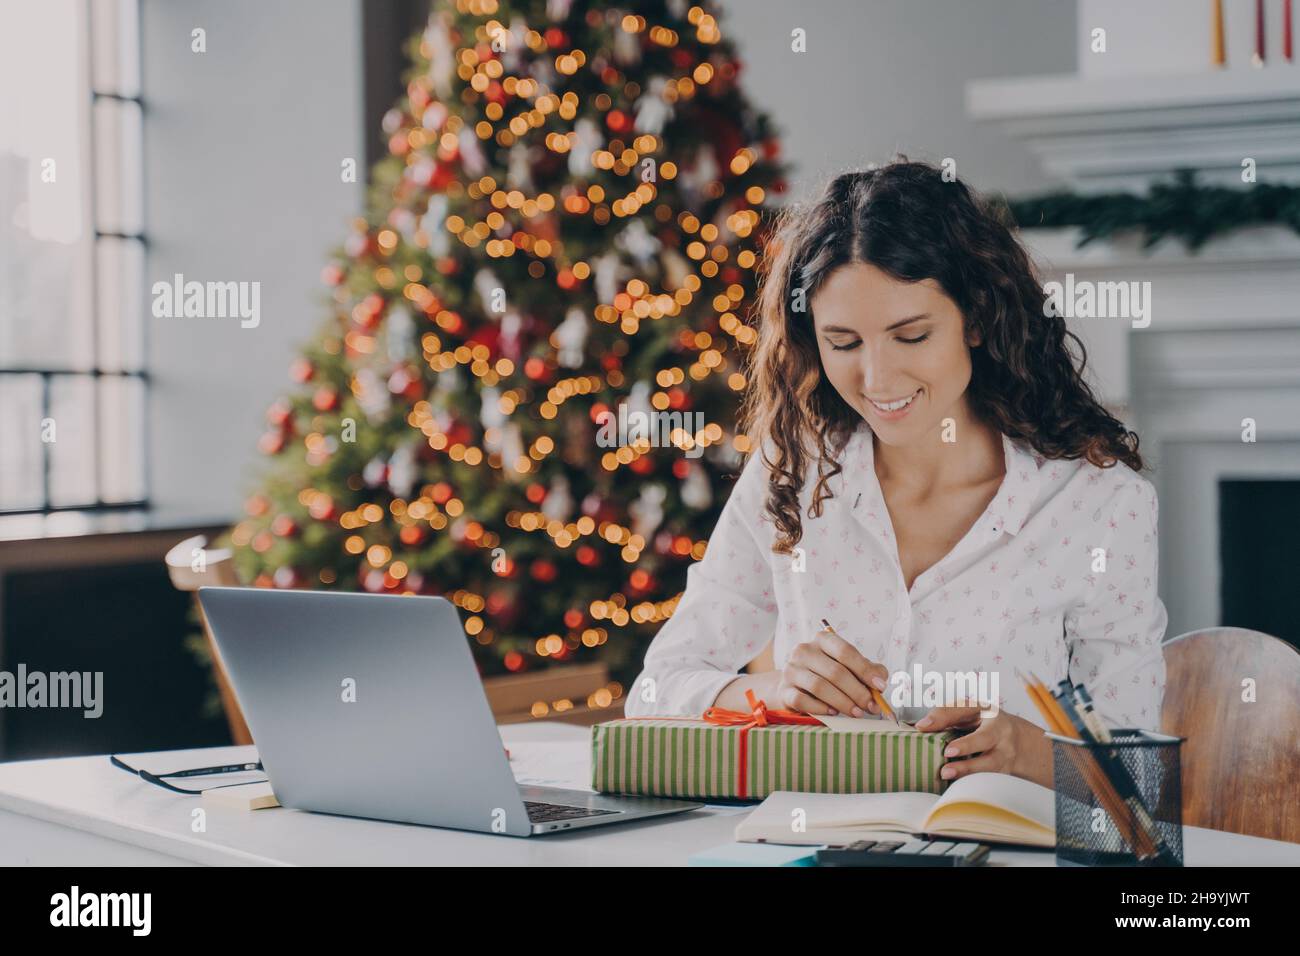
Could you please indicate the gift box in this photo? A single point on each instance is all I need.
(737, 755)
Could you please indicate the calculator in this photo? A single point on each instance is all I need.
(915, 852)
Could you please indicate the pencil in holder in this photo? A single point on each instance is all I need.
(1119, 803)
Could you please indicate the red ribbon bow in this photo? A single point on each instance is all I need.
(759, 716)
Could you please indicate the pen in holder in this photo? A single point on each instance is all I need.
(1119, 803)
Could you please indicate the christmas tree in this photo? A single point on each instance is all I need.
(560, 247)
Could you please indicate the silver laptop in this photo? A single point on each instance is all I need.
(370, 705)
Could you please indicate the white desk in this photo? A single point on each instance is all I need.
(83, 811)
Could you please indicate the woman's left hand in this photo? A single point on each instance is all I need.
(1002, 744)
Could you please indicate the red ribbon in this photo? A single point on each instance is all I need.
(759, 716)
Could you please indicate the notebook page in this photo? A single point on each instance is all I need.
(776, 814)
(1015, 795)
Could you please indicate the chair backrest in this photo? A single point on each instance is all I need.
(191, 564)
(1235, 695)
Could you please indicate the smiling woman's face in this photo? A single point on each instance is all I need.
(895, 351)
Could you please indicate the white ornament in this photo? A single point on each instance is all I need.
(558, 505)
(588, 140)
(471, 154)
(638, 401)
(372, 394)
(433, 225)
(486, 285)
(606, 277)
(700, 174)
(647, 511)
(557, 10)
(401, 471)
(637, 241)
(627, 48)
(512, 448)
(399, 331)
(652, 109)
(696, 492)
(490, 414)
(675, 268)
(512, 327)
(442, 61)
(516, 43)
(570, 337)
(519, 174)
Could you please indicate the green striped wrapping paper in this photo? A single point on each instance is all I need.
(693, 758)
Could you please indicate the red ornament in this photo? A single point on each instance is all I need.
(419, 97)
(284, 527)
(556, 38)
(301, 370)
(279, 413)
(272, 443)
(412, 535)
(326, 399)
(642, 465)
(573, 618)
(406, 382)
(331, 275)
(514, 661)
(322, 508)
(618, 121)
(681, 468)
(587, 556)
(458, 434)
(544, 571)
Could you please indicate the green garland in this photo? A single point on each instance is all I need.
(1181, 208)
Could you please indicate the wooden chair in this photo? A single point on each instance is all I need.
(191, 565)
(1241, 760)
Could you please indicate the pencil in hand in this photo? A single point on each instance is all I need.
(877, 696)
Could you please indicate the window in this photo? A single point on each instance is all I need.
(72, 375)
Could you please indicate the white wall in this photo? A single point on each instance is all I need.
(243, 145)
(1173, 36)
(242, 151)
(889, 75)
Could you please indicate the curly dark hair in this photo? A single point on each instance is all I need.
(907, 220)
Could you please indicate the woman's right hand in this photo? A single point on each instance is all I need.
(827, 675)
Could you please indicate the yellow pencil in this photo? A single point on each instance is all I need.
(876, 695)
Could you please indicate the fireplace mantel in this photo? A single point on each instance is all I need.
(1223, 343)
(1117, 133)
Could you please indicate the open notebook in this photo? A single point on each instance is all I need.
(987, 807)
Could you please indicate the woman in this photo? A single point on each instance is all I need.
(934, 478)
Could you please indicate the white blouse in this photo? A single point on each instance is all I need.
(1023, 589)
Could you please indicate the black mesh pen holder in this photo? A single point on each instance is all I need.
(1119, 803)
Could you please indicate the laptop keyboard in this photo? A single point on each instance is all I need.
(550, 812)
